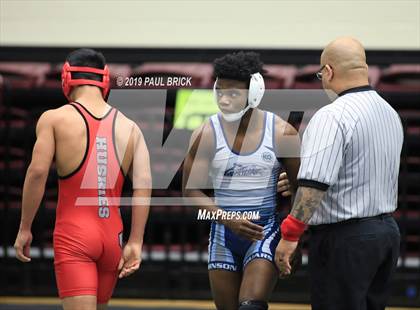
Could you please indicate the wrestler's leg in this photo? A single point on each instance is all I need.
(258, 281)
(225, 288)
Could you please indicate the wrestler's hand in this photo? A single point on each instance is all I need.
(245, 229)
(130, 259)
(284, 255)
(22, 245)
(283, 185)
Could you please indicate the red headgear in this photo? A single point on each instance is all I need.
(67, 82)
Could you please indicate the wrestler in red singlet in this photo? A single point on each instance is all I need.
(87, 237)
(94, 146)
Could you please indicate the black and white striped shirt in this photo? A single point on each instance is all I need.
(351, 148)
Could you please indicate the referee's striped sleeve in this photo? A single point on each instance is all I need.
(321, 152)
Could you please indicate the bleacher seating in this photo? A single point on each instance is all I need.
(279, 76)
(306, 78)
(24, 75)
(400, 78)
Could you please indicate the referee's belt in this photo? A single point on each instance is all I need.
(315, 228)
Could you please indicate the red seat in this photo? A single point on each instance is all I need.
(53, 77)
(14, 113)
(11, 205)
(24, 74)
(279, 76)
(306, 78)
(13, 152)
(400, 78)
(13, 121)
(16, 131)
(409, 114)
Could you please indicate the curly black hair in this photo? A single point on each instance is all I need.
(237, 66)
(86, 57)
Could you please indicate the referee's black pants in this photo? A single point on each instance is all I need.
(351, 263)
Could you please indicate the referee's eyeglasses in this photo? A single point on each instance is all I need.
(319, 72)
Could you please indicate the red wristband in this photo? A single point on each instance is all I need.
(292, 228)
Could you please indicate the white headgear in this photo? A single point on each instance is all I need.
(255, 94)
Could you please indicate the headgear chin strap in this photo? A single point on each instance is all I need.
(255, 94)
(67, 82)
(233, 117)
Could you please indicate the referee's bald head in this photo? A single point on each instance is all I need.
(345, 59)
(345, 54)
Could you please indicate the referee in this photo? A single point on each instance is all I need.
(348, 186)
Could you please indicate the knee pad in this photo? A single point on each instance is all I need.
(253, 305)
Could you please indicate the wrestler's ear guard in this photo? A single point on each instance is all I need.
(67, 82)
(255, 95)
(256, 90)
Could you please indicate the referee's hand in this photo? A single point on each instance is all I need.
(284, 254)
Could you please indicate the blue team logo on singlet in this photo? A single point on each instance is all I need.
(246, 170)
(267, 156)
